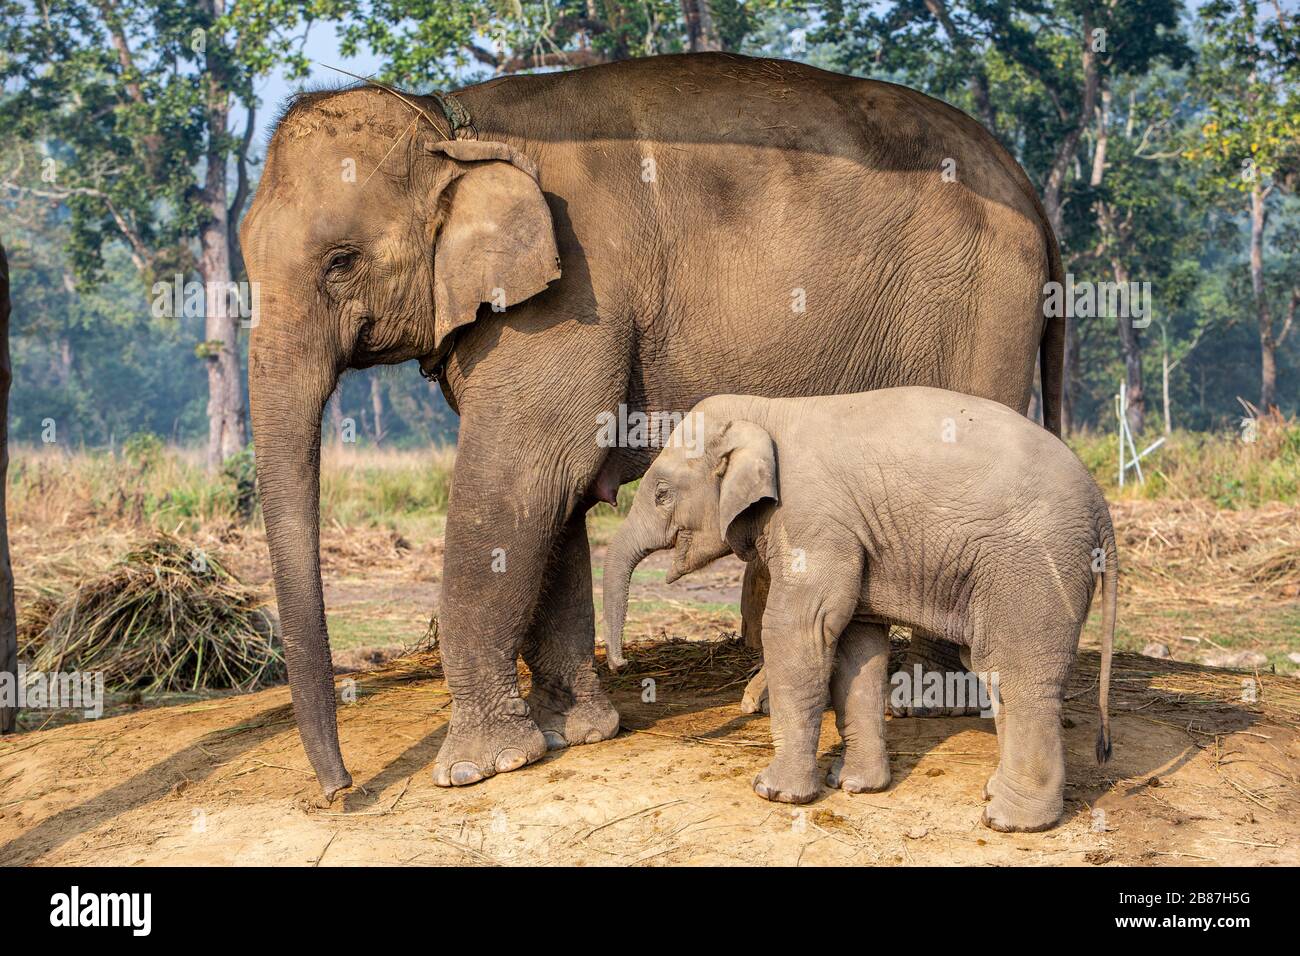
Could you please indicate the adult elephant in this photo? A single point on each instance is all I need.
(722, 224)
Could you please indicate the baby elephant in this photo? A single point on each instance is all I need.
(951, 515)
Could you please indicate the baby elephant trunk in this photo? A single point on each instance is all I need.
(640, 534)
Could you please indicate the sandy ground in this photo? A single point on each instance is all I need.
(1202, 774)
(1199, 777)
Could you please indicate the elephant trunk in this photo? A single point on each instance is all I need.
(288, 389)
(641, 534)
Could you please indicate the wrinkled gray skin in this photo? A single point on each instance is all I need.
(951, 515)
(722, 224)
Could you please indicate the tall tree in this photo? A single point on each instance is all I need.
(130, 102)
(1249, 142)
(8, 617)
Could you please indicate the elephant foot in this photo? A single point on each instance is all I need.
(859, 774)
(477, 747)
(786, 785)
(1005, 817)
(1012, 812)
(992, 787)
(566, 719)
(754, 700)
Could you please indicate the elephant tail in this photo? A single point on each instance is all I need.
(1051, 347)
(1109, 599)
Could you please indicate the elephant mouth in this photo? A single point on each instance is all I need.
(681, 557)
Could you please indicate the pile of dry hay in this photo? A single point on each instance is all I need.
(1208, 555)
(167, 617)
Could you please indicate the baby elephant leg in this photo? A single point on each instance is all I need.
(753, 600)
(858, 695)
(799, 670)
(1027, 791)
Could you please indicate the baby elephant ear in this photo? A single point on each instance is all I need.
(747, 463)
(497, 243)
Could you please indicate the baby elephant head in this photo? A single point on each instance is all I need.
(689, 500)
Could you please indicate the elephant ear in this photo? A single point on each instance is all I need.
(496, 243)
(746, 460)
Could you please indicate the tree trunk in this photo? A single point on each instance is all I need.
(1069, 366)
(1267, 342)
(1053, 205)
(336, 417)
(978, 81)
(8, 617)
(1069, 145)
(1132, 348)
(227, 428)
(377, 405)
(701, 32)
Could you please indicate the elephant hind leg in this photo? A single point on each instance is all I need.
(1026, 792)
(566, 699)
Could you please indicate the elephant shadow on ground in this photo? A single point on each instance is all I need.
(181, 770)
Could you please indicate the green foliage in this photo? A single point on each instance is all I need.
(241, 471)
(144, 450)
(1220, 466)
(1247, 81)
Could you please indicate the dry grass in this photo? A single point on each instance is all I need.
(1189, 551)
(165, 618)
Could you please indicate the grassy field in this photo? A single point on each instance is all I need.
(1209, 544)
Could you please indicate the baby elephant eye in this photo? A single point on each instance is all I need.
(663, 495)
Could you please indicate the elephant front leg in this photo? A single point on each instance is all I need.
(858, 695)
(492, 577)
(566, 699)
(799, 648)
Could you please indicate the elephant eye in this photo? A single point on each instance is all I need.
(340, 263)
(663, 494)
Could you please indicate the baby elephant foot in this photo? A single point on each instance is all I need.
(754, 700)
(478, 747)
(783, 784)
(859, 775)
(567, 718)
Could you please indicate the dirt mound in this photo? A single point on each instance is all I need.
(1205, 771)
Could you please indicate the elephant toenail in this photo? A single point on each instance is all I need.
(512, 758)
(465, 773)
(554, 740)
(441, 777)
(594, 737)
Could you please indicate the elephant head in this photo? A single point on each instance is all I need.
(372, 239)
(691, 500)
